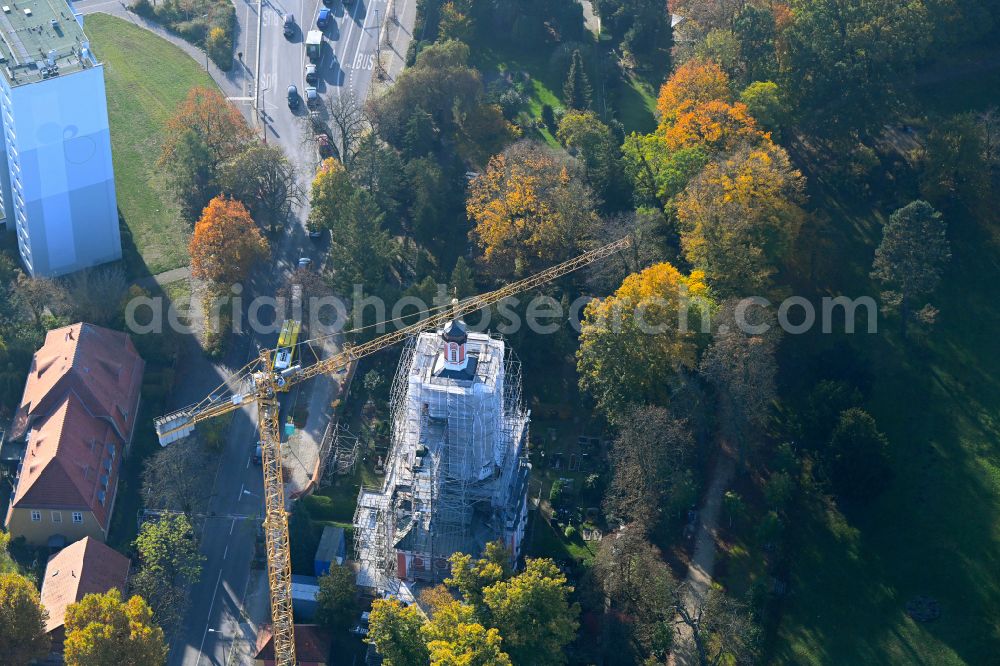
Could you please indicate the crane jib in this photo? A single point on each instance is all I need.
(262, 381)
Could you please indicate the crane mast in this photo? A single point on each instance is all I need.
(259, 382)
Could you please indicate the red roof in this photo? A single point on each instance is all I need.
(78, 413)
(312, 644)
(100, 365)
(67, 460)
(81, 568)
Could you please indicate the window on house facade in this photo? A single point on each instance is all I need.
(36, 516)
(57, 516)
(77, 517)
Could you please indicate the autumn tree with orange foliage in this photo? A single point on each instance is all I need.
(214, 119)
(716, 126)
(531, 208)
(693, 83)
(226, 243)
(204, 133)
(698, 123)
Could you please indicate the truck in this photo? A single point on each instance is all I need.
(314, 45)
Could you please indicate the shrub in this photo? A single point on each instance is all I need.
(557, 492)
(570, 532)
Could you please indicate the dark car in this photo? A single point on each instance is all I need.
(293, 97)
(323, 19)
(289, 25)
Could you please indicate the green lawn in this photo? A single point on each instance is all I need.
(936, 530)
(146, 77)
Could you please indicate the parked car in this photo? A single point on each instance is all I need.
(288, 26)
(323, 19)
(305, 262)
(258, 455)
(293, 97)
(311, 76)
(312, 97)
(315, 234)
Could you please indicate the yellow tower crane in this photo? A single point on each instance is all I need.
(259, 382)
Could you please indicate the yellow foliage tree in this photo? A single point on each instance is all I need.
(635, 344)
(455, 638)
(740, 217)
(530, 209)
(226, 243)
(104, 630)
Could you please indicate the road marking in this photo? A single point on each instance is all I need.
(208, 619)
(242, 488)
(232, 527)
(225, 553)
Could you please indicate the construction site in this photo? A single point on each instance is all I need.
(456, 475)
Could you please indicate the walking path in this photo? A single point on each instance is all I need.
(699, 576)
(234, 83)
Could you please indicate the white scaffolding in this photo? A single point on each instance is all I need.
(456, 476)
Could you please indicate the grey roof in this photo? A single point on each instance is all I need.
(331, 544)
(455, 331)
(32, 32)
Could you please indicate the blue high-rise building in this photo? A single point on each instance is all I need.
(58, 181)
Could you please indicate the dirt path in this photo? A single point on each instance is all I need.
(699, 575)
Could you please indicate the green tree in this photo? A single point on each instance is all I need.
(954, 166)
(360, 249)
(766, 104)
(844, 61)
(336, 601)
(169, 564)
(724, 629)
(264, 180)
(910, 260)
(533, 613)
(104, 630)
(394, 630)
(755, 29)
(462, 280)
(590, 140)
(858, 456)
(577, 93)
(22, 620)
(191, 174)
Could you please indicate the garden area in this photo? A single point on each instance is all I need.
(208, 24)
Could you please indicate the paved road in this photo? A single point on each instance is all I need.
(218, 629)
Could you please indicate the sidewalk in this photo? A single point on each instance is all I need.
(395, 40)
(234, 83)
(699, 576)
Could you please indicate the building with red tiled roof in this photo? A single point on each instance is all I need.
(77, 418)
(312, 646)
(82, 568)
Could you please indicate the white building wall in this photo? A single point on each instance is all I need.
(60, 192)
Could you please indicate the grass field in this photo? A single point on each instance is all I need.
(936, 530)
(146, 77)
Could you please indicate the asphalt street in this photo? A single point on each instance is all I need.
(217, 629)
